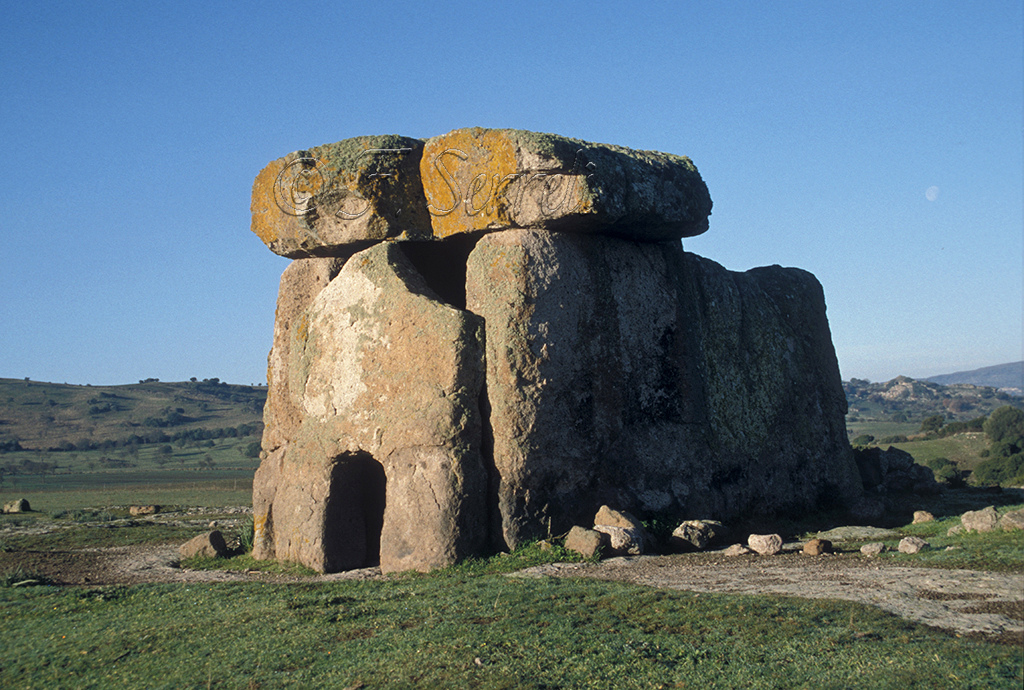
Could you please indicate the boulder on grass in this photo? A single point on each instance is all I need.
(922, 516)
(1012, 521)
(984, 520)
(208, 545)
(873, 549)
(912, 545)
(18, 506)
(586, 542)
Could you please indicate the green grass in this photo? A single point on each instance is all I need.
(489, 631)
(213, 488)
(962, 449)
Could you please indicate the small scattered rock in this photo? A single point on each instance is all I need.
(873, 549)
(737, 550)
(765, 544)
(696, 535)
(1012, 521)
(210, 545)
(19, 506)
(922, 516)
(143, 510)
(586, 542)
(984, 520)
(617, 518)
(912, 545)
(817, 547)
(622, 541)
(954, 530)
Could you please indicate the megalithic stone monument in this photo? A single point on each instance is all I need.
(486, 335)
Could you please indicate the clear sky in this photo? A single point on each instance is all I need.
(875, 144)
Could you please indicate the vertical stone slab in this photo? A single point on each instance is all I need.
(592, 395)
(381, 369)
(640, 376)
(301, 282)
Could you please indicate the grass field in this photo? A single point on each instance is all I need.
(455, 630)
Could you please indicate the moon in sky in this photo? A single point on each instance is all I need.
(932, 193)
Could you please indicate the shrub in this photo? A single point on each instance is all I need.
(1001, 470)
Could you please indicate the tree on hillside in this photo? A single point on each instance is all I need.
(933, 423)
(1005, 463)
(1005, 424)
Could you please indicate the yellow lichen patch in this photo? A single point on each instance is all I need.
(266, 215)
(465, 174)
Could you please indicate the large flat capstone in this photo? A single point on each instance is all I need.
(367, 189)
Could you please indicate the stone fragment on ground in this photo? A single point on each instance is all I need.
(922, 516)
(586, 542)
(984, 520)
(817, 547)
(737, 550)
(209, 544)
(20, 505)
(912, 545)
(1012, 521)
(856, 533)
(765, 544)
(696, 535)
(622, 541)
(143, 510)
(873, 549)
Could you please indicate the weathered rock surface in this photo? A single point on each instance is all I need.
(494, 179)
(873, 549)
(386, 380)
(328, 198)
(586, 542)
(922, 516)
(765, 544)
(1012, 521)
(984, 520)
(696, 535)
(894, 470)
(817, 547)
(208, 545)
(367, 189)
(912, 545)
(20, 505)
(616, 370)
(622, 541)
(489, 335)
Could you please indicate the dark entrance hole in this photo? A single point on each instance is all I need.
(354, 513)
(442, 264)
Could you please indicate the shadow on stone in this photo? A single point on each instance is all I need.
(354, 514)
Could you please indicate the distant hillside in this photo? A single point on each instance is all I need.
(905, 399)
(44, 416)
(1009, 377)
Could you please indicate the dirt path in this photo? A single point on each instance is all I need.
(966, 602)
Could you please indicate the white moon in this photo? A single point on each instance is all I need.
(932, 193)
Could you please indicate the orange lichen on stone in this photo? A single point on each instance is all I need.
(266, 215)
(465, 176)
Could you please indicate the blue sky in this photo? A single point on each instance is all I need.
(132, 135)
